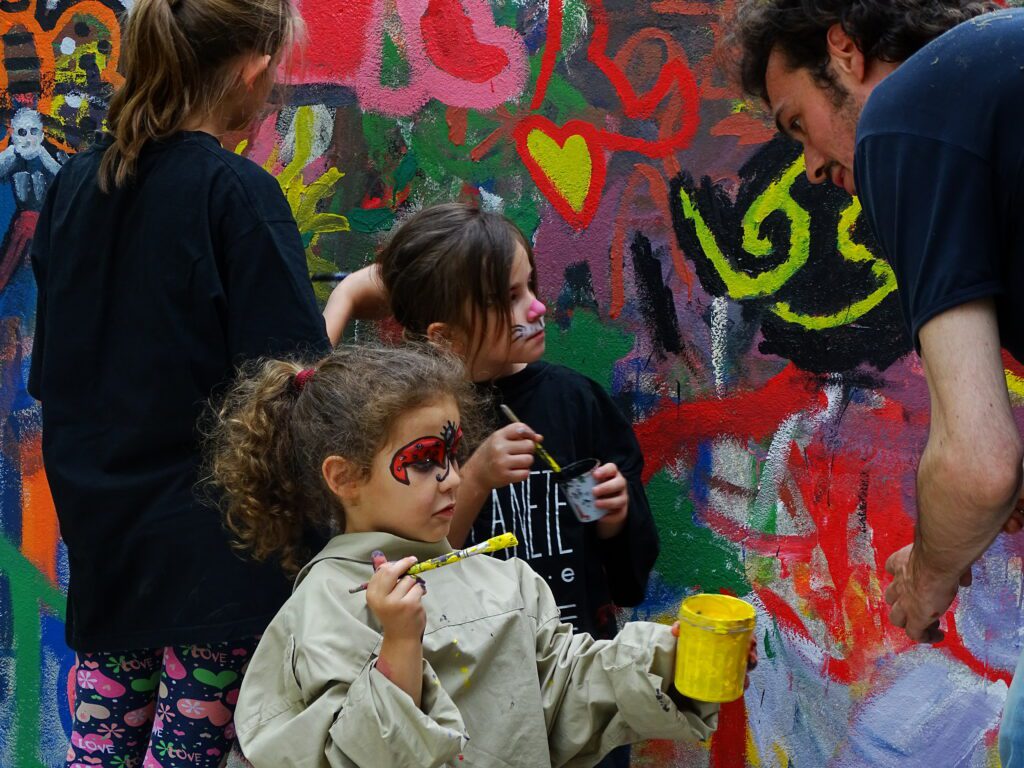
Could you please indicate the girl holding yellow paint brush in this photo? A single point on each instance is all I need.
(479, 673)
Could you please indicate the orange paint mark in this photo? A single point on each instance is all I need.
(748, 129)
(659, 196)
(684, 8)
(39, 529)
(457, 119)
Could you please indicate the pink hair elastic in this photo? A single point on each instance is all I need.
(302, 377)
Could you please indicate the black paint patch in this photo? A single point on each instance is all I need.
(656, 302)
(825, 284)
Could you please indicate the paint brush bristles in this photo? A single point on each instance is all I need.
(536, 446)
(504, 541)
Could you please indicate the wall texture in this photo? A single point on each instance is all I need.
(737, 312)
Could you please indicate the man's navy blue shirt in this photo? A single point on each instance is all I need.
(938, 165)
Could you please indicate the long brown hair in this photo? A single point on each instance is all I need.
(270, 436)
(450, 263)
(176, 58)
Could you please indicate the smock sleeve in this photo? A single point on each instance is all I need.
(600, 694)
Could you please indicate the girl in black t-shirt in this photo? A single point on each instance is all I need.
(162, 261)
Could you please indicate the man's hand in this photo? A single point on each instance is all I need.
(918, 599)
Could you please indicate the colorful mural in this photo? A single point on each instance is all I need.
(735, 311)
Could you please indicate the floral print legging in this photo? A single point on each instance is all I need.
(156, 708)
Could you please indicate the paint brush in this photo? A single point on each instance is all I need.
(504, 541)
(536, 446)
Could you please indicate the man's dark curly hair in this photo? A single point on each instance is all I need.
(884, 30)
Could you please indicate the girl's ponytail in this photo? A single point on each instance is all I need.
(253, 460)
(160, 66)
(278, 424)
(179, 59)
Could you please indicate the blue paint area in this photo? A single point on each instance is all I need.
(57, 662)
(18, 298)
(7, 206)
(6, 622)
(944, 712)
(700, 481)
(10, 496)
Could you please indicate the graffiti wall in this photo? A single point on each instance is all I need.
(736, 312)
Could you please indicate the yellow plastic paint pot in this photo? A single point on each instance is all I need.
(714, 642)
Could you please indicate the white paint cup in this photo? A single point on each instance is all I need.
(577, 483)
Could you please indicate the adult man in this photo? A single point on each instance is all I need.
(917, 105)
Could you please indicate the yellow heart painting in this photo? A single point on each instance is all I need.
(568, 166)
(567, 163)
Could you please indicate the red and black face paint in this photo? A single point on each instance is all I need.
(439, 451)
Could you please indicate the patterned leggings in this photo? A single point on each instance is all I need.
(192, 689)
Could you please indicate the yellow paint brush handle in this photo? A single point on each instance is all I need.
(504, 541)
(536, 446)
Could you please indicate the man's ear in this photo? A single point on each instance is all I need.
(846, 57)
(342, 478)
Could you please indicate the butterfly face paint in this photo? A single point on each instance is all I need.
(426, 451)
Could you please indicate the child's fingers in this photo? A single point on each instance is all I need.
(416, 592)
(606, 472)
(405, 585)
(613, 487)
(675, 629)
(519, 461)
(613, 502)
(520, 431)
(378, 558)
(389, 574)
(517, 447)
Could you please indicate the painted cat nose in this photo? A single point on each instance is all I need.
(536, 310)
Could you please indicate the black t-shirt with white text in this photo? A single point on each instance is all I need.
(587, 575)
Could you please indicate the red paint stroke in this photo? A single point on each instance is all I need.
(578, 219)
(747, 129)
(953, 643)
(729, 742)
(837, 670)
(452, 45)
(755, 414)
(457, 119)
(675, 78)
(684, 8)
(331, 27)
(675, 84)
(552, 47)
(39, 528)
(1011, 364)
(659, 195)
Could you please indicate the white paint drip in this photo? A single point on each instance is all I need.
(323, 131)
(719, 340)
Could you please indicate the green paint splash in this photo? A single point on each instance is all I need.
(691, 555)
(31, 594)
(588, 346)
